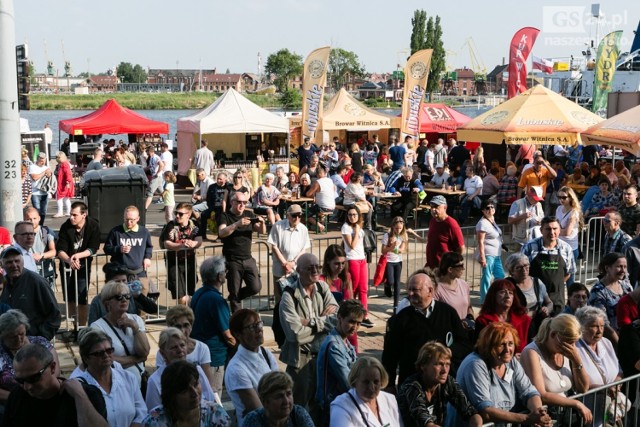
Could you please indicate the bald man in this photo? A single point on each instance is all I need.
(425, 320)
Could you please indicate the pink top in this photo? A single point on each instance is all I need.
(458, 298)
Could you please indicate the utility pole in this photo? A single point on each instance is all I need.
(10, 181)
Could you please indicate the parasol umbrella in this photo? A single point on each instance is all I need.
(621, 131)
(537, 116)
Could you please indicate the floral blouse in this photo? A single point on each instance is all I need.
(212, 414)
(603, 298)
(7, 374)
(599, 202)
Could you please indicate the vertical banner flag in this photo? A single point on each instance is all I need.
(521, 45)
(608, 52)
(416, 73)
(314, 79)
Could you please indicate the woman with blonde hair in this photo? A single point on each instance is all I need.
(554, 365)
(571, 221)
(66, 188)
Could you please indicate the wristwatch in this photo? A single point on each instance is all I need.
(313, 325)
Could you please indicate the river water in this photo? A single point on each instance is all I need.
(38, 118)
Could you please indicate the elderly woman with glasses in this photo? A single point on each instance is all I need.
(553, 363)
(501, 305)
(489, 237)
(13, 336)
(181, 317)
(125, 330)
(173, 347)
(120, 388)
(531, 292)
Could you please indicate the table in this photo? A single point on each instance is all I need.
(578, 188)
(304, 201)
(443, 192)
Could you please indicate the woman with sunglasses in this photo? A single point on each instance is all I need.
(452, 288)
(353, 241)
(569, 215)
(14, 325)
(394, 244)
(119, 388)
(125, 330)
(489, 237)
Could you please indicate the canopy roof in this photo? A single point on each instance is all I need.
(438, 118)
(112, 119)
(621, 131)
(345, 112)
(233, 113)
(536, 116)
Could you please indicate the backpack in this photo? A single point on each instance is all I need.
(276, 325)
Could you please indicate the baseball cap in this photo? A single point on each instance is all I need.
(439, 166)
(536, 193)
(42, 155)
(9, 251)
(294, 209)
(438, 201)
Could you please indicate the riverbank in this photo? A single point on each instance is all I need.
(140, 101)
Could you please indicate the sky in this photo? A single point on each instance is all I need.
(205, 34)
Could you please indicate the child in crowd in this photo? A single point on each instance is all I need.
(168, 197)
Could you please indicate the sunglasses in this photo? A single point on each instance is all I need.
(296, 215)
(490, 207)
(101, 353)
(313, 268)
(562, 197)
(182, 213)
(255, 326)
(121, 297)
(32, 379)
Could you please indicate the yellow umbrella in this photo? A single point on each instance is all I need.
(621, 131)
(537, 116)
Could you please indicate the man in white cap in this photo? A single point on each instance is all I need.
(525, 216)
(289, 239)
(444, 234)
(440, 178)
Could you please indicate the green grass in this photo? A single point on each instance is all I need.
(139, 101)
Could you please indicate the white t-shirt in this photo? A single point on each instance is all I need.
(358, 252)
(167, 159)
(564, 219)
(35, 169)
(472, 184)
(244, 372)
(290, 243)
(392, 256)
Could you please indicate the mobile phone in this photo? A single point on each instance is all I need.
(255, 220)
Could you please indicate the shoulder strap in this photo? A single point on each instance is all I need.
(266, 357)
(358, 408)
(126, 350)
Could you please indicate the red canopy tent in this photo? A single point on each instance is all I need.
(112, 119)
(438, 118)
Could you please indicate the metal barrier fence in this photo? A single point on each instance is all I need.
(598, 400)
(591, 241)
(414, 259)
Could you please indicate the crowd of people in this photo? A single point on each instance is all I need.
(539, 335)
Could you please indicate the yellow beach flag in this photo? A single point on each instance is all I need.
(314, 79)
(416, 73)
(608, 52)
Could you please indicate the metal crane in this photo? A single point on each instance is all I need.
(67, 64)
(477, 65)
(50, 66)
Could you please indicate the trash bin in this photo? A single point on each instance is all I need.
(111, 190)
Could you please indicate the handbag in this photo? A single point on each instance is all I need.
(370, 243)
(144, 375)
(379, 277)
(362, 206)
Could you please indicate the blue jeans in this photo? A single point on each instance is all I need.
(40, 204)
(393, 272)
(493, 270)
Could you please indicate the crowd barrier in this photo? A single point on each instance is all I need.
(598, 399)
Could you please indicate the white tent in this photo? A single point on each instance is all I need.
(224, 124)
